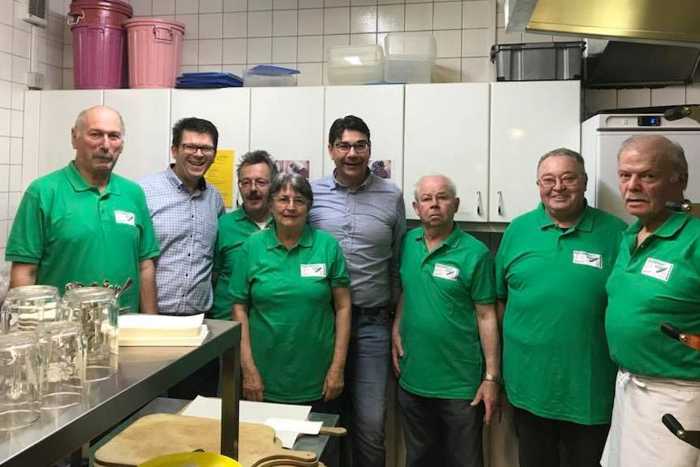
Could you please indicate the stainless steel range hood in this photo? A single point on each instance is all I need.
(675, 22)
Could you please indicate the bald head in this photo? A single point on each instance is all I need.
(662, 151)
(81, 121)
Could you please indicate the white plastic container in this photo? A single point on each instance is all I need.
(355, 64)
(253, 80)
(409, 57)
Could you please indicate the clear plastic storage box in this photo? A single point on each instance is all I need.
(409, 57)
(355, 64)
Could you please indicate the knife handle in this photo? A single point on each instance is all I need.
(673, 425)
(334, 431)
(671, 331)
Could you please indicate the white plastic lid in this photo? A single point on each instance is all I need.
(412, 44)
(355, 55)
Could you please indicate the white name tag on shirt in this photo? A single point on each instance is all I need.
(657, 269)
(313, 270)
(124, 217)
(444, 271)
(588, 259)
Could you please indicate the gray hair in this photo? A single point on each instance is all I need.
(294, 181)
(669, 149)
(451, 188)
(257, 157)
(79, 124)
(565, 152)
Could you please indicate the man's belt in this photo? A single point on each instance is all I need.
(369, 311)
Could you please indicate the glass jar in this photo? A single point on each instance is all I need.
(96, 309)
(19, 380)
(62, 369)
(27, 306)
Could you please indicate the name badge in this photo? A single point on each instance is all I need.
(313, 270)
(588, 259)
(657, 269)
(444, 271)
(125, 217)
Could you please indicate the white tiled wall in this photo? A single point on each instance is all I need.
(23, 48)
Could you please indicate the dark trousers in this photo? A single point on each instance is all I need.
(331, 454)
(203, 382)
(545, 442)
(441, 432)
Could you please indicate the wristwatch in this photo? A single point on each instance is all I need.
(493, 378)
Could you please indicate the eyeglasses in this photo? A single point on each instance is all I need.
(359, 147)
(566, 180)
(249, 182)
(193, 148)
(287, 200)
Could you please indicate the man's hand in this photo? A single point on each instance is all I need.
(396, 351)
(253, 386)
(333, 384)
(488, 393)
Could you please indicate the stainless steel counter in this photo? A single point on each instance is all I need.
(144, 374)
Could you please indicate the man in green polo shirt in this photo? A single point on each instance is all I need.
(84, 224)
(656, 279)
(551, 269)
(255, 173)
(445, 345)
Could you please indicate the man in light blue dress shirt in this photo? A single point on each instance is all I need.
(185, 209)
(365, 213)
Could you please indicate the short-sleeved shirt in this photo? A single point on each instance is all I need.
(290, 309)
(439, 331)
(556, 362)
(234, 229)
(74, 233)
(185, 223)
(657, 282)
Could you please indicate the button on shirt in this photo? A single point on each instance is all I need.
(186, 226)
(369, 223)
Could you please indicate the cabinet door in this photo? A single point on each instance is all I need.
(57, 111)
(381, 107)
(146, 114)
(288, 123)
(528, 119)
(446, 132)
(228, 109)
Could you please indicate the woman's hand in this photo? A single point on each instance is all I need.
(333, 385)
(253, 386)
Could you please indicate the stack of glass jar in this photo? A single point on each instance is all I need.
(50, 348)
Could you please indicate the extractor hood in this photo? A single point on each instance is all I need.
(675, 22)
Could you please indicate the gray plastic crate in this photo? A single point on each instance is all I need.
(538, 61)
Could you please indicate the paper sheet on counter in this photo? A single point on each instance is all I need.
(257, 412)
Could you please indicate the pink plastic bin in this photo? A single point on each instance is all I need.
(99, 43)
(155, 52)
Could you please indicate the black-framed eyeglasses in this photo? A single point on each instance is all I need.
(193, 148)
(249, 182)
(566, 180)
(359, 146)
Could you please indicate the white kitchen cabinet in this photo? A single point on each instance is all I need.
(288, 123)
(48, 119)
(146, 114)
(528, 119)
(381, 107)
(447, 132)
(228, 109)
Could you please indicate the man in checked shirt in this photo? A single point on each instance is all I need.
(185, 209)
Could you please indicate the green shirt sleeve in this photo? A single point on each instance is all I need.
(239, 286)
(149, 247)
(338, 272)
(27, 237)
(500, 271)
(483, 288)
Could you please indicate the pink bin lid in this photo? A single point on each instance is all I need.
(144, 21)
(114, 5)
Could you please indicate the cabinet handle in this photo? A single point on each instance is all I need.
(478, 203)
(500, 203)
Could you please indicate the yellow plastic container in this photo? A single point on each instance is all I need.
(191, 459)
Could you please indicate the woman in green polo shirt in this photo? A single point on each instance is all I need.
(291, 296)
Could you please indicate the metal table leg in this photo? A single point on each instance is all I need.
(230, 395)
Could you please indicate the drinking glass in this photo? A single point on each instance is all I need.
(27, 306)
(19, 380)
(62, 369)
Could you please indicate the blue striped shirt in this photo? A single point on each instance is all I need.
(186, 226)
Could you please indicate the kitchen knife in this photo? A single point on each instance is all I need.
(690, 340)
(690, 437)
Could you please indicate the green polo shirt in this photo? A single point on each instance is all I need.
(656, 283)
(556, 362)
(442, 350)
(74, 233)
(290, 309)
(234, 229)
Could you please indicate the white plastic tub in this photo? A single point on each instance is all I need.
(355, 64)
(409, 57)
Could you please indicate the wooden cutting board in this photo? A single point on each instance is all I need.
(159, 434)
